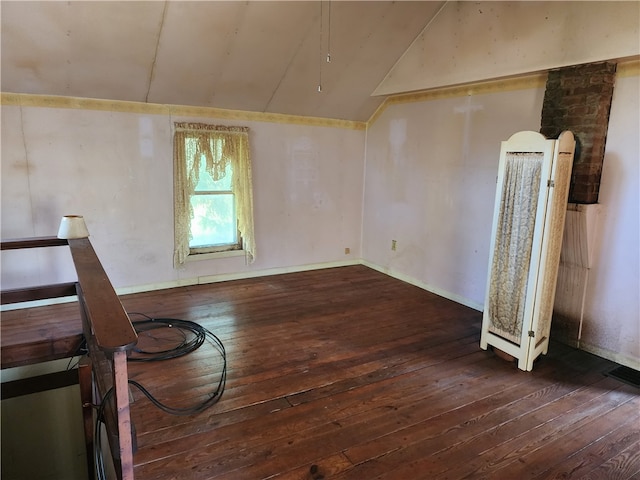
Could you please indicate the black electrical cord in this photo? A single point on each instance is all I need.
(214, 398)
(97, 439)
(80, 350)
(192, 336)
(187, 329)
(198, 336)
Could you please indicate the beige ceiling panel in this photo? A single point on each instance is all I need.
(267, 43)
(363, 56)
(365, 41)
(472, 41)
(350, 23)
(85, 49)
(113, 45)
(193, 51)
(296, 89)
(258, 56)
(33, 45)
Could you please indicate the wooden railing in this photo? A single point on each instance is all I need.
(109, 335)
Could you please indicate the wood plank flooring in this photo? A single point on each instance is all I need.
(347, 373)
(40, 334)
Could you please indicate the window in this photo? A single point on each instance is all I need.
(213, 195)
(214, 225)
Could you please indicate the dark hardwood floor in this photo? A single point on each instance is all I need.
(346, 373)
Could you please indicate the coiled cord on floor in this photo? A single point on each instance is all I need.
(198, 333)
(187, 328)
(193, 336)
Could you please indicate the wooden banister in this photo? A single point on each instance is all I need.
(109, 335)
(110, 375)
(43, 292)
(109, 321)
(35, 242)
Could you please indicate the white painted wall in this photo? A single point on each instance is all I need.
(487, 40)
(611, 325)
(116, 169)
(430, 184)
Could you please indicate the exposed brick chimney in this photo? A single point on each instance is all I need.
(578, 98)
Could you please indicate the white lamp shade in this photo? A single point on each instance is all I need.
(73, 226)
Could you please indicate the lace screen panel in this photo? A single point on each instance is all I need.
(513, 244)
(553, 236)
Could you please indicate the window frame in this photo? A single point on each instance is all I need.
(189, 156)
(221, 247)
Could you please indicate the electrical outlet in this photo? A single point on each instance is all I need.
(347, 251)
(393, 245)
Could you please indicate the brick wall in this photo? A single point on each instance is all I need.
(578, 98)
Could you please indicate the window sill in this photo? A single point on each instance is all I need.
(213, 255)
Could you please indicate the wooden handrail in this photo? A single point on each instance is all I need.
(110, 374)
(109, 334)
(107, 327)
(109, 321)
(35, 242)
(28, 294)
(43, 292)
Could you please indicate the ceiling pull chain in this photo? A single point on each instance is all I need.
(320, 42)
(329, 36)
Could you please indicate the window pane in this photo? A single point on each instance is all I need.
(206, 183)
(214, 220)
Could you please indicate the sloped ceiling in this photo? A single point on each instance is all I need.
(475, 41)
(257, 56)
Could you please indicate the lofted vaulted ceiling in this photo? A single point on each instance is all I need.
(259, 56)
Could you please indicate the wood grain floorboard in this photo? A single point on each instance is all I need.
(347, 373)
(557, 459)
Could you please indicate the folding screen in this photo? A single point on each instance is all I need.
(528, 222)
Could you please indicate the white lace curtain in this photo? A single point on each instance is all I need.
(513, 244)
(218, 146)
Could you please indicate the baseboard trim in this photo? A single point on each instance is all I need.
(425, 286)
(184, 282)
(618, 358)
(206, 279)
